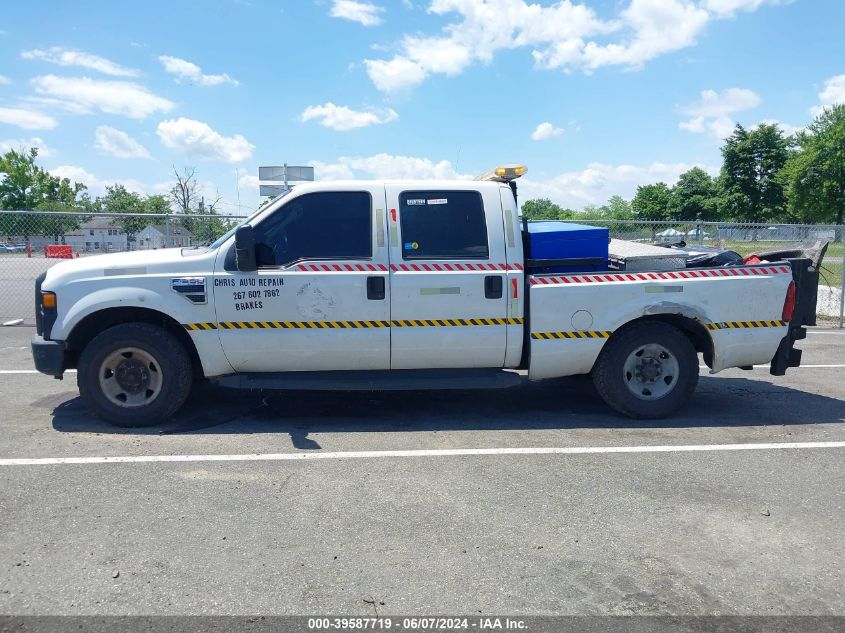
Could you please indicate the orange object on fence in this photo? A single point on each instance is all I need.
(59, 251)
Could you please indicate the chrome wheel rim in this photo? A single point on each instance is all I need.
(650, 372)
(130, 377)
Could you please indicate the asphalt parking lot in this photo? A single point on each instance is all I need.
(620, 517)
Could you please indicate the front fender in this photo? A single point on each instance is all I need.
(80, 300)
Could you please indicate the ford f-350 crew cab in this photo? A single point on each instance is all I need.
(401, 285)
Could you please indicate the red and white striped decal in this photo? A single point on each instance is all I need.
(434, 268)
(692, 273)
(456, 266)
(331, 268)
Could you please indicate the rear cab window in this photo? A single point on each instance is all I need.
(443, 225)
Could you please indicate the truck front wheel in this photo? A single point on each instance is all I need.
(134, 374)
(647, 370)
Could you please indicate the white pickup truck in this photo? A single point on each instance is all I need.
(401, 285)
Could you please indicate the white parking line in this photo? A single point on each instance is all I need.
(790, 369)
(30, 371)
(445, 452)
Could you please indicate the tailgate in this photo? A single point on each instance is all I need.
(805, 274)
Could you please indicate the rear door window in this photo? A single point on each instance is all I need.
(443, 225)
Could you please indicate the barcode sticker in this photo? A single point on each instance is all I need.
(438, 201)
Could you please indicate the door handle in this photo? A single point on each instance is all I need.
(375, 288)
(493, 286)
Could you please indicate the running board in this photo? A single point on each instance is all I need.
(395, 380)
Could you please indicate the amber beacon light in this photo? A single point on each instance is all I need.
(504, 173)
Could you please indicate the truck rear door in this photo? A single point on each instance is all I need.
(447, 277)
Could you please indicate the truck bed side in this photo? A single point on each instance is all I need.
(572, 316)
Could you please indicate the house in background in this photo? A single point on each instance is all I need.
(98, 235)
(162, 236)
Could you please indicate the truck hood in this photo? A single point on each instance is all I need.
(135, 263)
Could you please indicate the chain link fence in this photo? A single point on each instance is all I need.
(746, 239)
(32, 241)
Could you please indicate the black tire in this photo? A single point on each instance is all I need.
(612, 381)
(169, 358)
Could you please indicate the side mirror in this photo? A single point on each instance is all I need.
(245, 248)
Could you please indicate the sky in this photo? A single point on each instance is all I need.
(594, 96)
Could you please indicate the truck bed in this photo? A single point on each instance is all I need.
(573, 315)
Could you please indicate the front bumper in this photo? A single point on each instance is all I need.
(49, 356)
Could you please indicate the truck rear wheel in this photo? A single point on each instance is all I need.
(647, 370)
(134, 374)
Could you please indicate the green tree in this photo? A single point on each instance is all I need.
(752, 189)
(814, 176)
(545, 209)
(694, 197)
(652, 203)
(617, 208)
(27, 186)
(187, 199)
(119, 200)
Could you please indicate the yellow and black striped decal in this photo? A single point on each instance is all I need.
(322, 325)
(200, 326)
(729, 325)
(586, 334)
(732, 325)
(454, 322)
(301, 325)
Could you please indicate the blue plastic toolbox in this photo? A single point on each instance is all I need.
(551, 244)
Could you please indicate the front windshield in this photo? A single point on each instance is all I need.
(222, 239)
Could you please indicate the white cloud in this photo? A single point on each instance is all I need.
(594, 184)
(249, 182)
(566, 35)
(23, 144)
(599, 181)
(365, 13)
(395, 74)
(78, 174)
(386, 166)
(96, 186)
(27, 119)
(712, 112)
(189, 71)
(727, 8)
(714, 103)
(118, 143)
(65, 57)
(113, 97)
(4, 80)
(342, 118)
(56, 104)
(833, 93)
(196, 138)
(545, 131)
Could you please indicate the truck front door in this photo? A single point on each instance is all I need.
(320, 299)
(447, 277)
